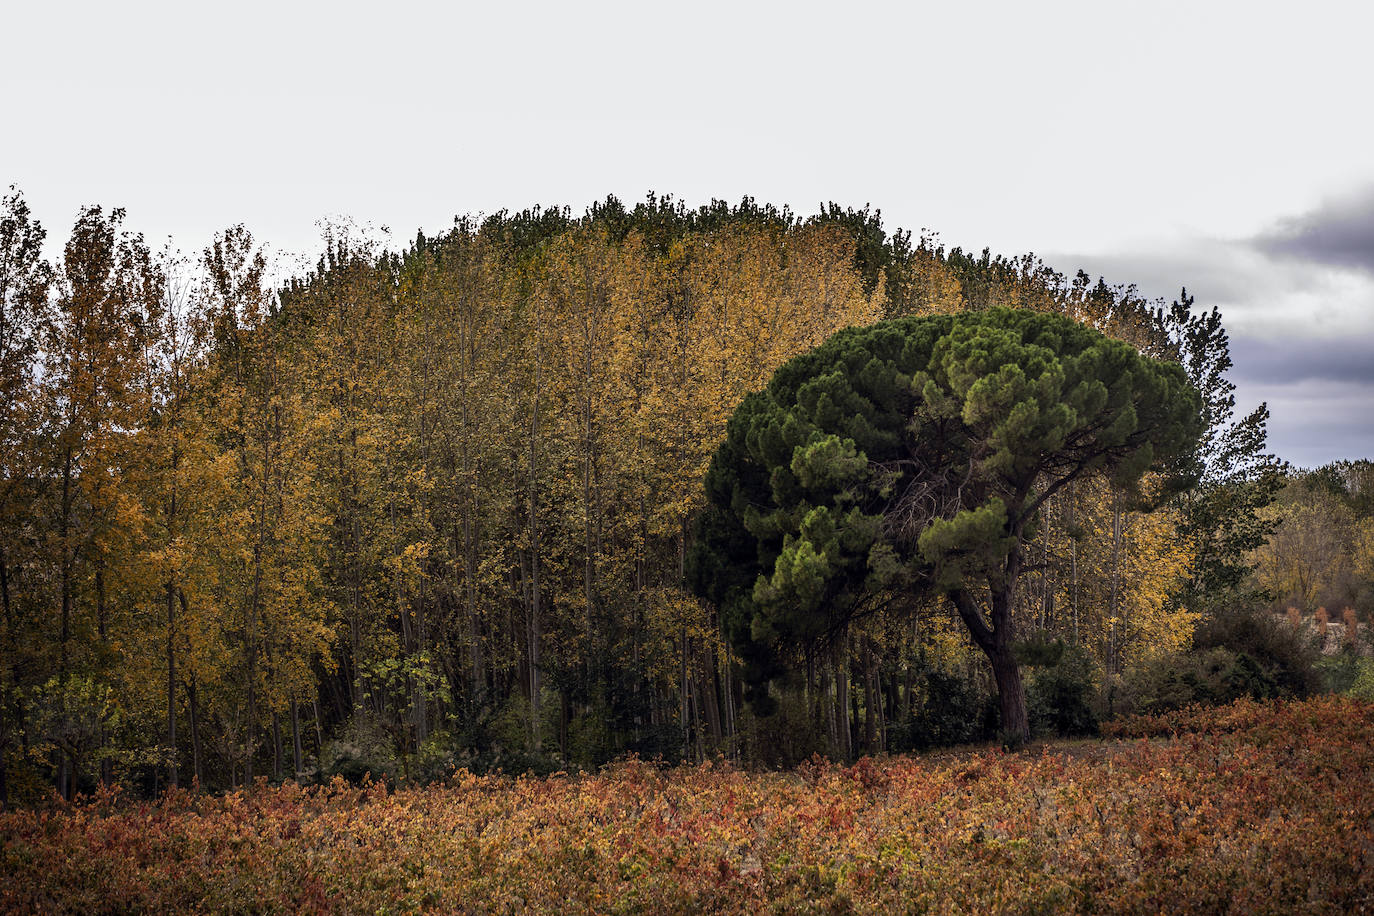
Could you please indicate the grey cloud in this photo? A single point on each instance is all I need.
(1297, 359)
(1315, 422)
(1339, 233)
(1298, 302)
(1207, 270)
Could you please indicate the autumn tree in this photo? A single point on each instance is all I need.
(109, 294)
(24, 283)
(267, 509)
(914, 456)
(1321, 551)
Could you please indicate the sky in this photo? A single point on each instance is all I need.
(1223, 147)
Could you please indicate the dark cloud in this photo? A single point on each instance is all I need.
(1320, 393)
(1298, 359)
(1298, 301)
(1339, 233)
(1315, 422)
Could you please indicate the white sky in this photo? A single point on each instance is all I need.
(1147, 141)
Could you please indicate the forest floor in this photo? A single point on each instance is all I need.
(1250, 808)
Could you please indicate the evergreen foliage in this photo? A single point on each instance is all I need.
(912, 457)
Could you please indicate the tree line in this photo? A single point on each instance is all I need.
(433, 506)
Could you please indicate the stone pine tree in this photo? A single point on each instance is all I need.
(909, 459)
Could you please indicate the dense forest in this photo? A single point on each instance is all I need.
(419, 508)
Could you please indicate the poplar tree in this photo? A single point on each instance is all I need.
(24, 310)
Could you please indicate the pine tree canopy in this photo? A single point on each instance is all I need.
(909, 458)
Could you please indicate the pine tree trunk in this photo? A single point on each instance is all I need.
(1011, 693)
(996, 642)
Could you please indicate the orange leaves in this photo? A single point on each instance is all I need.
(1229, 813)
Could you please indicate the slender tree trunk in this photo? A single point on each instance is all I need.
(64, 535)
(476, 670)
(5, 590)
(840, 660)
(535, 623)
(193, 702)
(683, 698)
(319, 728)
(827, 706)
(4, 713)
(276, 748)
(871, 701)
(296, 749)
(101, 608)
(171, 687)
(1073, 559)
(710, 683)
(422, 643)
(1114, 606)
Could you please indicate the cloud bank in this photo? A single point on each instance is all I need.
(1298, 301)
(1339, 233)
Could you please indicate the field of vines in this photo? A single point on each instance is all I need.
(1251, 808)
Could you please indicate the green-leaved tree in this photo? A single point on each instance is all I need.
(909, 459)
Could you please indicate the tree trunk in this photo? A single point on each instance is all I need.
(195, 731)
(296, 749)
(535, 623)
(276, 747)
(996, 642)
(63, 535)
(4, 721)
(106, 764)
(1011, 693)
(171, 688)
(840, 659)
(682, 698)
(319, 728)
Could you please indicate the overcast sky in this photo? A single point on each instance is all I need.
(1226, 147)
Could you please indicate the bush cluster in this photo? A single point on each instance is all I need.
(1255, 808)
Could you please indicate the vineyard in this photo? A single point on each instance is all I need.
(1251, 808)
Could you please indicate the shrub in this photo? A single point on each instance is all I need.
(951, 710)
(1340, 671)
(1287, 656)
(361, 750)
(1235, 814)
(1362, 688)
(1061, 695)
(1207, 678)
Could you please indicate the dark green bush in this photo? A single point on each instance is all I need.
(1340, 671)
(1207, 677)
(1285, 655)
(1061, 692)
(787, 736)
(950, 710)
